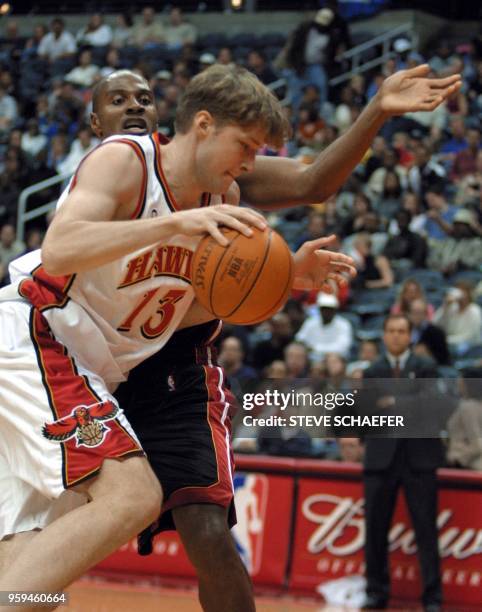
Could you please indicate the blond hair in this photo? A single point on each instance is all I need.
(233, 95)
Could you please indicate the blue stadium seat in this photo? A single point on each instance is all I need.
(372, 328)
(272, 39)
(427, 278)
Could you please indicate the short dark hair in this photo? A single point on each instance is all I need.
(392, 317)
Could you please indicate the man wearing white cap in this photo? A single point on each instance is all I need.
(325, 331)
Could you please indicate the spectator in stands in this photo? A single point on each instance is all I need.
(465, 425)
(32, 44)
(377, 152)
(316, 229)
(456, 142)
(11, 44)
(310, 130)
(242, 378)
(272, 349)
(410, 290)
(465, 160)
(58, 151)
(257, 63)
(112, 62)
(376, 182)
(296, 361)
(368, 351)
(33, 142)
(374, 272)
(389, 202)
(356, 220)
(149, 31)
(96, 33)
(440, 214)
(178, 32)
(84, 143)
(460, 317)
(427, 339)
(470, 186)
(325, 331)
(66, 107)
(351, 450)
(425, 173)
(333, 220)
(335, 373)
(310, 49)
(13, 179)
(294, 309)
(462, 249)
(58, 43)
(8, 111)
(441, 60)
(224, 57)
(85, 73)
(10, 247)
(405, 245)
(122, 34)
(392, 462)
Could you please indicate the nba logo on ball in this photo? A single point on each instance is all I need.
(250, 497)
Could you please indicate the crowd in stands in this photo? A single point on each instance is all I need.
(410, 215)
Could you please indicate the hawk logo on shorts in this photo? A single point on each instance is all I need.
(85, 423)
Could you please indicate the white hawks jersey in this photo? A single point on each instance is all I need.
(113, 317)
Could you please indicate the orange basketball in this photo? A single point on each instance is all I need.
(247, 281)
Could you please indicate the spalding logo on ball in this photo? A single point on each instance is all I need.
(248, 280)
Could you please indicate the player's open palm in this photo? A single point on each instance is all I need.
(209, 220)
(411, 90)
(315, 267)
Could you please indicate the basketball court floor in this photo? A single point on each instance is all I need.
(94, 595)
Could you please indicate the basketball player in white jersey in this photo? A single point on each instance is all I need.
(420, 95)
(105, 294)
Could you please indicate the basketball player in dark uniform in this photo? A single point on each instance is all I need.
(181, 415)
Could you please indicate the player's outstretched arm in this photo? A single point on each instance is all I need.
(278, 182)
(316, 268)
(92, 227)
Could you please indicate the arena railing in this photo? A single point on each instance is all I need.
(355, 54)
(24, 215)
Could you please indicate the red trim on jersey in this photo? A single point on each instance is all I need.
(158, 140)
(67, 390)
(140, 154)
(221, 491)
(45, 291)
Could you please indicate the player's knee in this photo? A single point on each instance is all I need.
(210, 544)
(134, 489)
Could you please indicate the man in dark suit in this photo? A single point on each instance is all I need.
(427, 337)
(393, 462)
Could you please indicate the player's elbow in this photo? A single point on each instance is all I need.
(52, 260)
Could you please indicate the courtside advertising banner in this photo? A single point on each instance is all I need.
(329, 539)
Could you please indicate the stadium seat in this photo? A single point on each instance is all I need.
(372, 328)
(427, 278)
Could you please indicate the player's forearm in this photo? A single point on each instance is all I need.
(333, 166)
(77, 246)
(278, 183)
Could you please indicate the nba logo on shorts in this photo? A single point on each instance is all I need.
(250, 496)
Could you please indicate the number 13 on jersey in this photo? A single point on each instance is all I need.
(156, 324)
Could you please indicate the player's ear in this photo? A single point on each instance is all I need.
(95, 125)
(203, 123)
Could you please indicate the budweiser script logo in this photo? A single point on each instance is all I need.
(341, 530)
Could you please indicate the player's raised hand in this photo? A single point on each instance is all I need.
(411, 90)
(208, 221)
(315, 267)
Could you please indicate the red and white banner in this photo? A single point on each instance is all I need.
(329, 538)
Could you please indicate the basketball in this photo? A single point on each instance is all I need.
(248, 280)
